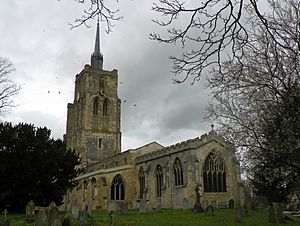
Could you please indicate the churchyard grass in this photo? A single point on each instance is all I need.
(168, 217)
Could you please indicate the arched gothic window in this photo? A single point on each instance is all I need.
(159, 180)
(94, 188)
(105, 107)
(214, 175)
(178, 173)
(142, 182)
(117, 189)
(95, 106)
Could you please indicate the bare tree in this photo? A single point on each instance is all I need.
(101, 9)
(8, 89)
(210, 32)
(249, 86)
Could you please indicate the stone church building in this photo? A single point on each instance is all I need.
(167, 177)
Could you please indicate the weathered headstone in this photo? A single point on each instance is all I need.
(40, 218)
(231, 204)
(53, 214)
(67, 220)
(75, 210)
(158, 208)
(124, 207)
(271, 214)
(56, 222)
(111, 207)
(210, 210)
(279, 214)
(143, 206)
(83, 218)
(29, 210)
(52, 204)
(185, 204)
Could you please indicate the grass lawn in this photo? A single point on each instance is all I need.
(167, 217)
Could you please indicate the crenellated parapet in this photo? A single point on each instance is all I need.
(195, 143)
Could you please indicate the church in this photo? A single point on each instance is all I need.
(161, 177)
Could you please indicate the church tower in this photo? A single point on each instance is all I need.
(93, 119)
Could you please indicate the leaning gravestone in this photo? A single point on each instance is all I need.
(29, 210)
(75, 210)
(271, 214)
(124, 207)
(209, 210)
(143, 206)
(40, 218)
(53, 215)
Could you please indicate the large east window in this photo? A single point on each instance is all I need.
(214, 175)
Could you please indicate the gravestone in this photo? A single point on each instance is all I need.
(210, 210)
(52, 204)
(75, 210)
(271, 214)
(56, 222)
(40, 218)
(279, 214)
(214, 203)
(124, 207)
(185, 204)
(158, 208)
(88, 208)
(67, 220)
(231, 204)
(5, 223)
(143, 206)
(53, 215)
(83, 218)
(29, 211)
(111, 207)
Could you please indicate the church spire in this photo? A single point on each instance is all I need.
(97, 57)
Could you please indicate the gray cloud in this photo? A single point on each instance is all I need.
(48, 55)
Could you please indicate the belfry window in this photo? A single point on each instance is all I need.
(95, 106)
(142, 182)
(117, 189)
(105, 107)
(178, 173)
(101, 84)
(159, 180)
(214, 175)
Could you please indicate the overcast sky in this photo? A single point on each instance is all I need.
(36, 38)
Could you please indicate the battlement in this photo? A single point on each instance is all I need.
(195, 143)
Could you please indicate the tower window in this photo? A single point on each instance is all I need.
(100, 143)
(95, 106)
(117, 188)
(105, 107)
(214, 175)
(159, 180)
(178, 173)
(101, 84)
